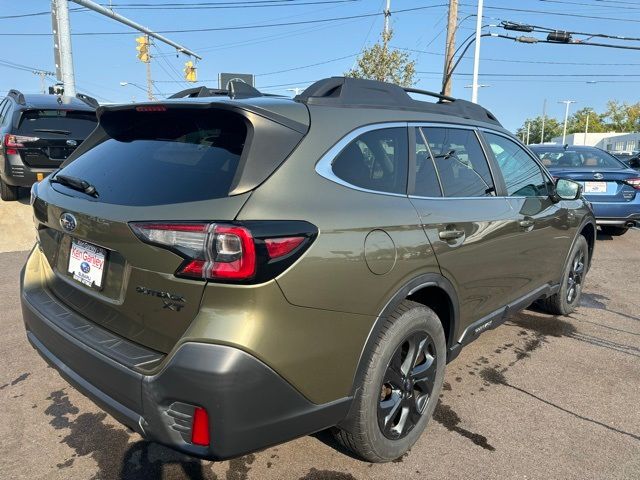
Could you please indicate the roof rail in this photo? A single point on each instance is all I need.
(345, 91)
(236, 90)
(92, 102)
(18, 96)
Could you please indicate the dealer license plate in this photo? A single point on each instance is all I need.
(595, 187)
(87, 263)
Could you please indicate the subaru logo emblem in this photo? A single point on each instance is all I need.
(598, 176)
(72, 143)
(68, 222)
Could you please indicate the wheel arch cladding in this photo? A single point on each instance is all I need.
(431, 290)
(588, 231)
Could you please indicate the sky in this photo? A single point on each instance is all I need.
(519, 77)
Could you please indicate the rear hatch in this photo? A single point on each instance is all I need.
(45, 138)
(604, 185)
(175, 165)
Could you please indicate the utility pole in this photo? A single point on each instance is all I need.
(528, 132)
(387, 17)
(544, 119)
(586, 128)
(62, 46)
(149, 82)
(450, 46)
(476, 55)
(566, 118)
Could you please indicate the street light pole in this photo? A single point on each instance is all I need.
(62, 36)
(566, 118)
(544, 118)
(476, 55)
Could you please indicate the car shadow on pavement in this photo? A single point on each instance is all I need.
(146, 460)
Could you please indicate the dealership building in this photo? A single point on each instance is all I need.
(611, 141)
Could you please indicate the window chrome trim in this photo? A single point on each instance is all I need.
(324, 166)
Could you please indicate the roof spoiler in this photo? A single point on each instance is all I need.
(235, 90)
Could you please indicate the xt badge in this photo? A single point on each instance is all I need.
(170, 301)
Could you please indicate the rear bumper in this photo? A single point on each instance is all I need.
(249, 405)
(18, 174)
(617, 213)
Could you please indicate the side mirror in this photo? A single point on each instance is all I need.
(567, 189)
(634, 162)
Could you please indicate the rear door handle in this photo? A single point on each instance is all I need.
(449, 235)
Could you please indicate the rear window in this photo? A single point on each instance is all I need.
(156, 158)
(577, 159)
(68, 123)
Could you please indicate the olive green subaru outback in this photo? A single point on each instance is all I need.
(224, 274)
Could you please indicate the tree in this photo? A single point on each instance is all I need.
(622, 116)
(578, 121)
(552, 128)
(385, 64)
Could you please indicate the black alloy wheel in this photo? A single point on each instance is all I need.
(575, 277)
(407, 385)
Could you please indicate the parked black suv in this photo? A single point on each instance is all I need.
(38, 133)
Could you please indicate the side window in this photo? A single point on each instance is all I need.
(427, 184)
(462, 166)
(521, 173)
(376, 160)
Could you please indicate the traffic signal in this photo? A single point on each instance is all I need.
(190, 71)
(143, 48)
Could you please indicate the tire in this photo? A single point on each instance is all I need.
(562, 303)
(613, 230)
(8, 193)
(362, 432)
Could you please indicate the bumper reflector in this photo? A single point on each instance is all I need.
(200, 428)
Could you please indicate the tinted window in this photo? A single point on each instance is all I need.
(461, 164)
(376, 160)
(521, 173)
(155, 158)
(426, 179)
(588, 158)
(74, 124)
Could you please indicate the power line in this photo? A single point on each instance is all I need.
(560, 14)
(240, 27)
(217, 6)
(540, 62)
(564, 2)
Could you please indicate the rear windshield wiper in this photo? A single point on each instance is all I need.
(52, 130)
(76, 184)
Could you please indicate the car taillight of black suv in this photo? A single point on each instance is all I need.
(38, 133)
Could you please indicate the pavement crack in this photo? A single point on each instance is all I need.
(492, 375)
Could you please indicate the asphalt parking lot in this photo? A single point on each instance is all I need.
(540, 397)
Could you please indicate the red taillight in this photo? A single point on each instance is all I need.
(151, 108)
(215, 251)
(11, 142)
(279, 247)
(634, 182)
(200, 427)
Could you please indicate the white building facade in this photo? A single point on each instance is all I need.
(611, 141)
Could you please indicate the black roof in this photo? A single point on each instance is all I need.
(355, 92)
(47, 101)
